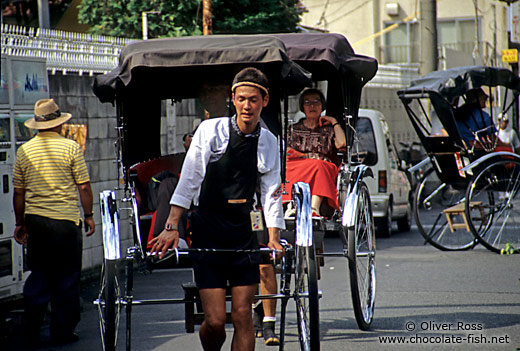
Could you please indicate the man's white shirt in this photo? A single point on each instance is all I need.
(208, 145)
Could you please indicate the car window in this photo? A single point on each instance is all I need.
(394, 161)
(367, 153)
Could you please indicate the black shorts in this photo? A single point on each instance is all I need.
(217, 276)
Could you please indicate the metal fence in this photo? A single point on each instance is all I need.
(71, 52)
(64, 51)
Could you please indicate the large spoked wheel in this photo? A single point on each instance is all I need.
(432, 198)
(361, 259)
(305, 272)
(306, 298)
(109, 306)
(493, 205)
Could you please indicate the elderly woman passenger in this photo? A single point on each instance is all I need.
(312, 147)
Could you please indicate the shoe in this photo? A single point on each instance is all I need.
(291, 212)
(258, 316)
(65, 339)
(270, 337)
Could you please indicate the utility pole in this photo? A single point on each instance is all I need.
(429, 50)
(207, 24)
(514, 46)
(43, 14)
(145, 22)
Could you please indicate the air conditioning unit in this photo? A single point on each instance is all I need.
(392, 8)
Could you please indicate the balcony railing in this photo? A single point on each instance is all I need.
(401, 53)
(411, 53)
(64, 51)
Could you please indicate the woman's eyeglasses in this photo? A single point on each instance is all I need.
(311, 102)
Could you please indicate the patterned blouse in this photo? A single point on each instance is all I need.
(317, 143)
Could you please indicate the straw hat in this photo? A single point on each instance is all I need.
(47, 115)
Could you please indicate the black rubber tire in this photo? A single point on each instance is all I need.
(109, 308)
(439, 235)
(496, 222)
(384, 224)
(307, 307)
(404, 224)
(361, 259)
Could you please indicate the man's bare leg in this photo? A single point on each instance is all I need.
(241, 315)
(212, 332)
(268, 285)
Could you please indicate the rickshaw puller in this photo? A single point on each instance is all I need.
(225, 160)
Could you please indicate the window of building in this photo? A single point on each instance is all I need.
(401, 45)
(457, 34)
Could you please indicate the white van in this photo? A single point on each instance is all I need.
(390, 188)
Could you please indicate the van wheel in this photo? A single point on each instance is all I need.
(384, 224)
(404, 224)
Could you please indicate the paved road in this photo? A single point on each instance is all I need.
(418, 287)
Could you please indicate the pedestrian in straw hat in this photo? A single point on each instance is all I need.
(49, 173)
(47, 115)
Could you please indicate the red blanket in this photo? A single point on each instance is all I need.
(320, 175)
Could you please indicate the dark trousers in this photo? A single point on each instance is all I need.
(62, 291)
(164, 194)
(54, 249)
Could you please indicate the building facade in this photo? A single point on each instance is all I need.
(469, 31)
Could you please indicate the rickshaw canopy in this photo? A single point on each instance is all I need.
(330, 57)
(457, 81)
(327, 54)
(175, 68)
(443, 88)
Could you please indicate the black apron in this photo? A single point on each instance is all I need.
(222, 219)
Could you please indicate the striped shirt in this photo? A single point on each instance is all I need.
(49, 167)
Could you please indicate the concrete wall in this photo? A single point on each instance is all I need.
(74, 94)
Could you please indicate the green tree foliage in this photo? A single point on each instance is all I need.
(123, 18)
(255, 16)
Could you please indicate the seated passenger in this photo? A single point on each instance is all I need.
(167, 184)
(474, 123)
(186, 139)
(313, 144)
